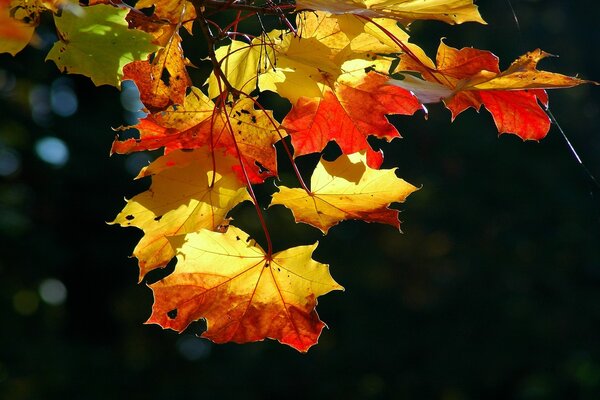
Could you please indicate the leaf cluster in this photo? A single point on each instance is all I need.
(343, 66)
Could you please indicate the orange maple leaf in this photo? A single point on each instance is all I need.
(244, 294)
(173, 12)
(471, 78)
(155, 93)
(197, 123)
(15, 34)
(348, 114)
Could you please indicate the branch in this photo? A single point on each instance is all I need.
(222, 5)
(210, 40)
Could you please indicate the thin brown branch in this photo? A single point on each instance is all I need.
(222, 5)
(211, 41)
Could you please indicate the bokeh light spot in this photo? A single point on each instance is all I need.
(193, 348)
(7, 82)
(52, 150)
(10, 162)
(63, 99)
(39, 101)
(53, 292)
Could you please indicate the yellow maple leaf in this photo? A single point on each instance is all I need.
(186, 195)
(325, 48)
(406, 11)
(244, 294)
(346, 189)
(522, 74)
(241, 62)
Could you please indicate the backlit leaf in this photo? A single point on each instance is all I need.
(174, 12)
(243, 294)
(198, 123)
(471, 78)
(95, 41)
(348, 115)
(346, 189)
(186, 195)
(164, 80)
(304, 64)
(450, 11)
(14, 33)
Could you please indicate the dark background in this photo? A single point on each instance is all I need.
(492, 292)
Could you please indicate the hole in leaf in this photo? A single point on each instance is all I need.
(172, 314)
(148, 11)
(165, 76)
(159, 273)
(261, 168)
(331, 151)
(196, 328)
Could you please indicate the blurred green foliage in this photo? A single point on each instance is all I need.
(492, 292)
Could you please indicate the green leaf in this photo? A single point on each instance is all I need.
(95, 41)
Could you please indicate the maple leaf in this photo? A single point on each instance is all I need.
(522, 73)
(198, 123)
(14, 33)
(334, 66)
(346, 189)
(173, 12)
(322, 72)
(295, 65)
(326, 49)
(244, 294)
(471, 78)
(271, 59)
(406, 11)
(348, 115)
(155, 93)
(95, 41)
(186, 195)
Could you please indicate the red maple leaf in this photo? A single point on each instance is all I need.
(348, 114)
(471, 78)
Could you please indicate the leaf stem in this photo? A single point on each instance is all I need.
(210, 40)
(285, 146)
(250, 188)
(403, 46)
